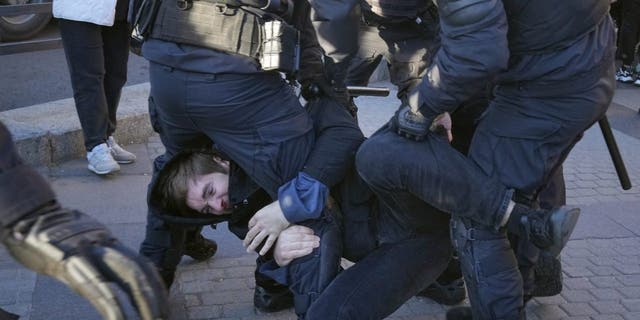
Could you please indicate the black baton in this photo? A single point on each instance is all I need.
(614, 152)
(355, 91)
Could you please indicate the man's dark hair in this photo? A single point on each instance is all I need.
(169, 191)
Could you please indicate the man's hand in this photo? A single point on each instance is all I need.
(294, 242)
(442, 124)
(79, 251)
(267, 223)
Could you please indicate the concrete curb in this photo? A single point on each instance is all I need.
(49, 133)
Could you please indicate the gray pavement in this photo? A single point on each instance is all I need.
(601, 262)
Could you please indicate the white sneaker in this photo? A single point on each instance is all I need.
(119, 154)
(101, 161)
(624, 74)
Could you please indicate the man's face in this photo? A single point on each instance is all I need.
(209, 194)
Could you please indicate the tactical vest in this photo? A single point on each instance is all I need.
(240, 30)
(211, 25)
(531, 20)
(397, 8)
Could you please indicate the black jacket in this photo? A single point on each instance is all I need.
(331, 158)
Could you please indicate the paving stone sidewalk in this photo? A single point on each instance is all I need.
(601, 262)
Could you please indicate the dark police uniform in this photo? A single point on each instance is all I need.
(550, 87)
(337, 137)
(404, 35)
(406, 39)
(200, 94)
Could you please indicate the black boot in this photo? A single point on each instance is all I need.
(447, 293)
(200, 248)
(549, 230)
(273, 299)
(449, 287)
(459, 313)
(269, 295)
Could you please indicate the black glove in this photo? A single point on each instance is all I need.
(79, 251)
(410, 124)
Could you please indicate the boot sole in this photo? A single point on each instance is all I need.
(548, 276)
(564, 221)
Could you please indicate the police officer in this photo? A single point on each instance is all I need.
(69, 245)
(370, 234)
(405, 38)
(214, 74)
(553, 81)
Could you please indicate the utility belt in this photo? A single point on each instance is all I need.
(426, 16)
(220, 25)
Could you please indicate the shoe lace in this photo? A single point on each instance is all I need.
(101, 154)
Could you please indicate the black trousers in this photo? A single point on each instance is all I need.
(97, 57)
(629, 30)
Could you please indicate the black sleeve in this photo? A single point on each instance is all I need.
(337, 140)
(472, 52)
(22, 189)
(311, 64)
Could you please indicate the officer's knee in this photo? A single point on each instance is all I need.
(370, 161)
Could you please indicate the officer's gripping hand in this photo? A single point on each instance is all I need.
(294, 242)
(413, 125)
(409, 123)
(267, 224)
(79, 251)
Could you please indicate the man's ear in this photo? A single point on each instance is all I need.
(220, 161)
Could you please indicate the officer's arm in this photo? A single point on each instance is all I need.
(304, 197)
(338, 137)
(474, 49)
(69, 245)
(311, 65)
(337, 140)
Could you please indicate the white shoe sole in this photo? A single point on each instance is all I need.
(125, 161)
(94, 170)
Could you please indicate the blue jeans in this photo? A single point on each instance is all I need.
(383, 280)
(396, 255)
